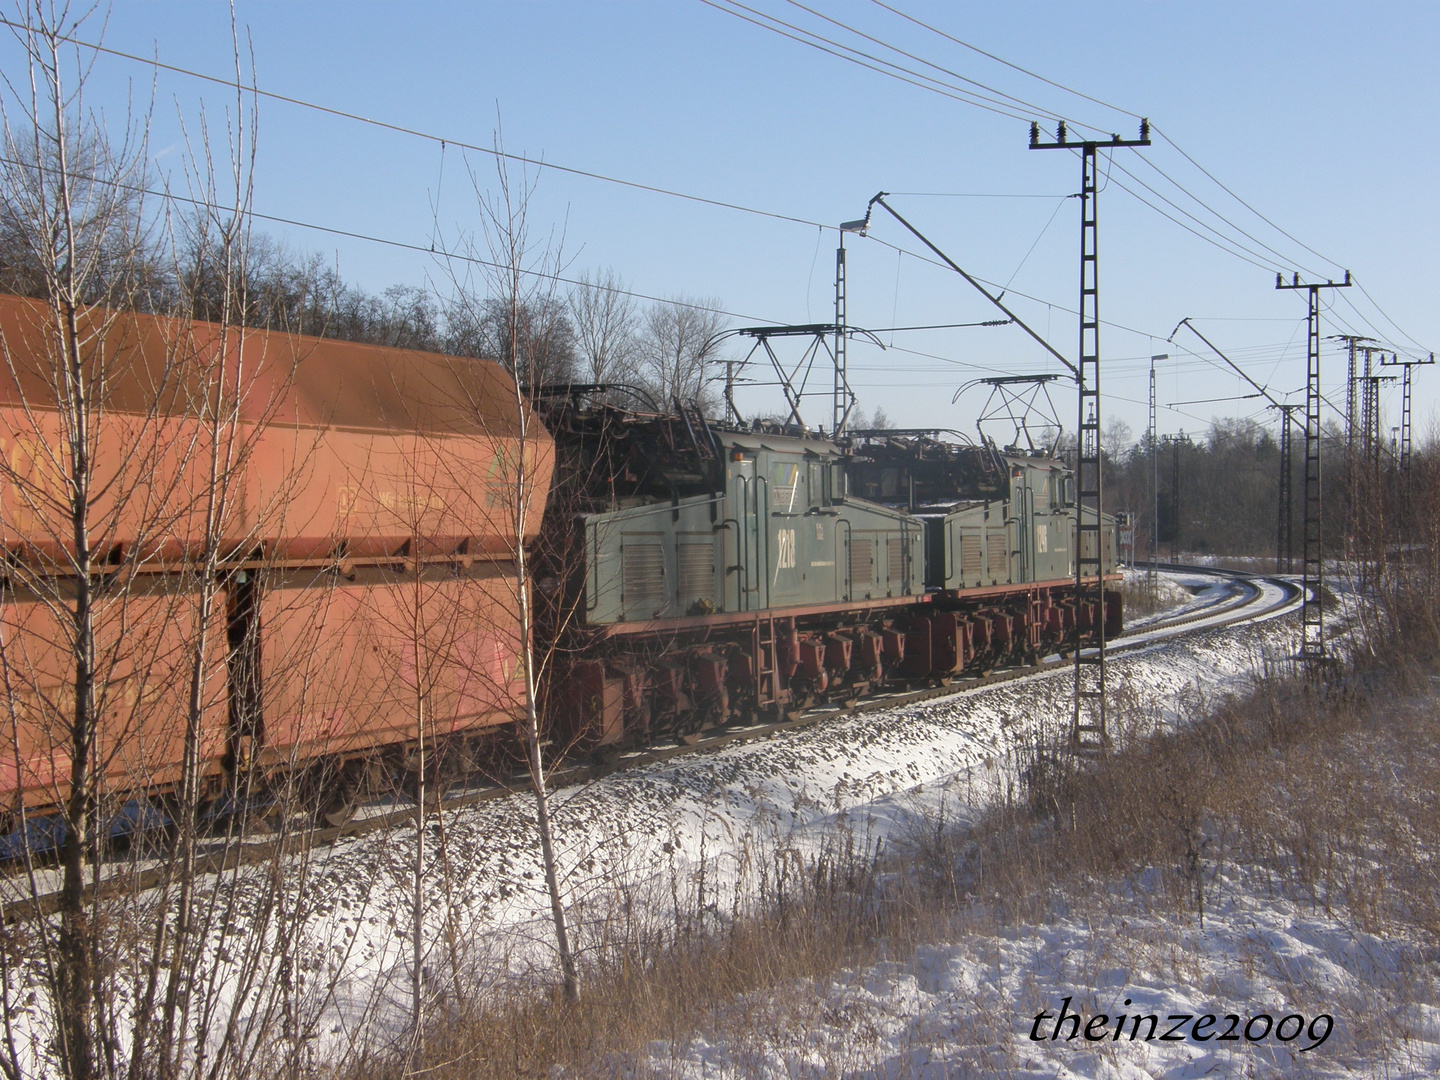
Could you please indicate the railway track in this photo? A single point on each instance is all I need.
(1246, 598)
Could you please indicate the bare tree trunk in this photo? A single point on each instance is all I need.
(417, 930)
(221, 415)
(76, 944)
(505, 219)
(535, 757)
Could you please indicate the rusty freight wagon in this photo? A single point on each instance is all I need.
(355, 512)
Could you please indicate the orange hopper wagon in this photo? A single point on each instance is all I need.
(363, 505)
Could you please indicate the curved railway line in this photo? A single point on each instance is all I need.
(1245, 598)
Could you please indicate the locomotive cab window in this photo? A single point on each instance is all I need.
(784, 487)
(1041, 488)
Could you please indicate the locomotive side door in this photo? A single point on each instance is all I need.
(821, 577)
(787, 546)
(744, 558)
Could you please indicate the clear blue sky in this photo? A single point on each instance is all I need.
(1319, 115)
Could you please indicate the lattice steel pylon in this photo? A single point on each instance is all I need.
(1088, 731)
(1405, 416)
(1154, 480)
(1350, 397)
(1371, 440)
(1353, 344)
(843, 399)
(1175, 497)
(1312, 613)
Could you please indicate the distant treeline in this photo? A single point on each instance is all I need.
(589, 330)
(1219, 492)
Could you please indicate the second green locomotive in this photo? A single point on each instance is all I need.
(732, 574)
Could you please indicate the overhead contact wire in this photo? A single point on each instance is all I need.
(826, 45)
(539, 163)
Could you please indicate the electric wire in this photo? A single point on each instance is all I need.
(521, 159)
(965, 97)
(968, 195)
(1258, 260)
(921, 60)
(826, 45)
(1041, 110)
(431, 249)
(1222, 243)
(1283, 261)
(1181, 151)
(441, 140)
(1007, 63)
(1277, 263)
(1365, 292)
(1126, 112)
(1058, 207)
(1161, 134)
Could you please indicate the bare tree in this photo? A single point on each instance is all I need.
(125, 463)
(677, 347)
(520, 475)
(605, 327)
(530, 334)
(72, 209)
(1116, 438)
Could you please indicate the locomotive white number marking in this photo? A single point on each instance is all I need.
(785, 556)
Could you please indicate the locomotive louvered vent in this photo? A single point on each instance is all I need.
(696, 564)
(895, 553)
(971, 561)
(644, 579)
(862, 564)
(999, 557)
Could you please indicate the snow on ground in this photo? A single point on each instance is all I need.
(970, 1008)
(714, 816)
(706, 824)
(1176, 593)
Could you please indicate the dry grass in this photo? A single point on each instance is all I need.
(1329, 788)
(1325, 791)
